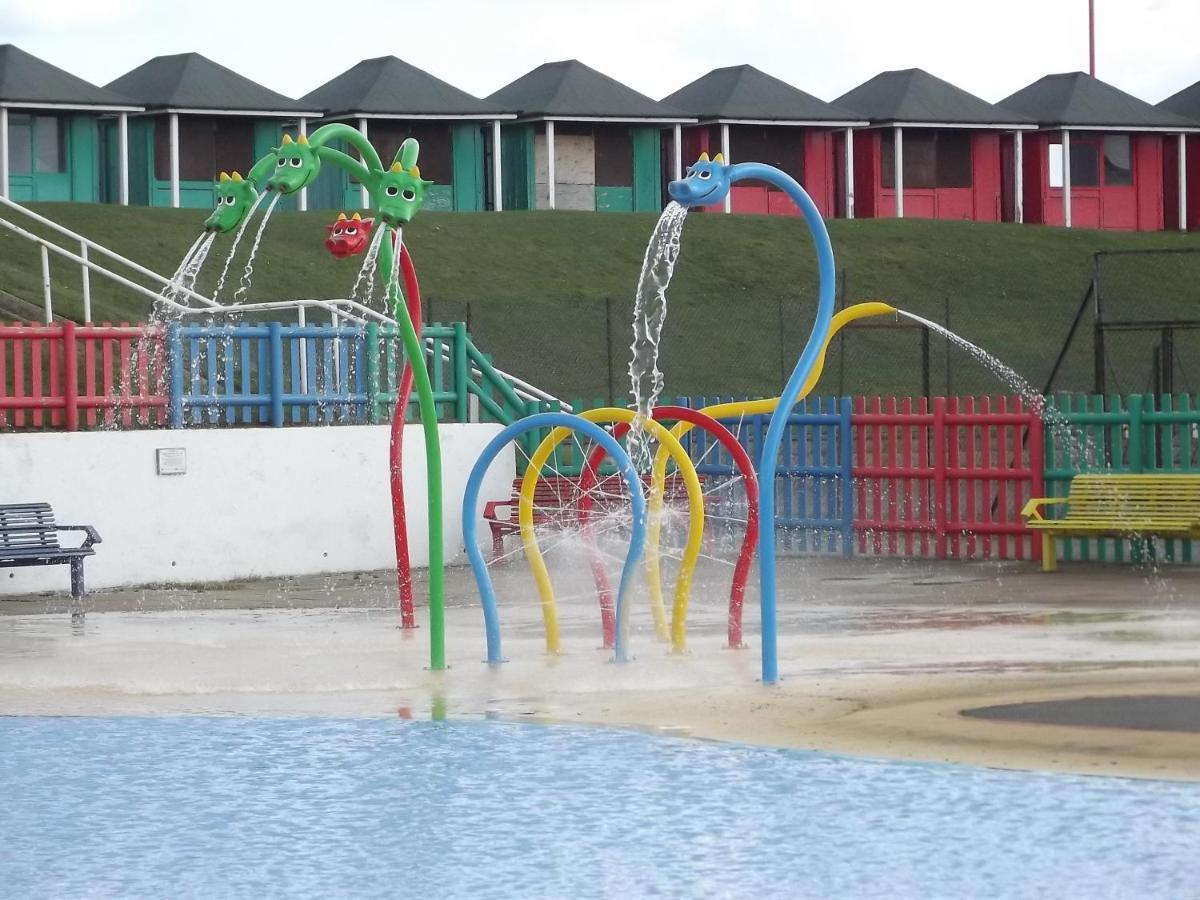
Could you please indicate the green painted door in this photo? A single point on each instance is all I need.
(647, 169)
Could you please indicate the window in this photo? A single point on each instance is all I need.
(20, 144)
(1085, 164)
(1118, 165)
(932, 159)
(781, 146)
(614, 155)
(48, 145)
(207, 146)
(436, 157)
(35, 145)
(1056, 166)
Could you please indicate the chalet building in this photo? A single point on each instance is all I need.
(1181, 184)
(931, 150)
(1096, 160)
(748, 115)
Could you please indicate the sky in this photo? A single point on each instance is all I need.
(1146, 47)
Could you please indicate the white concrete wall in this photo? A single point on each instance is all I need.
(253, 503)
(574, 171)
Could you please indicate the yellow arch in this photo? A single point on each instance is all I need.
(726, 410)
(669, 447)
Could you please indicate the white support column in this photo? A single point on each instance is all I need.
(1018, 177)
(849, 173)
(123, 158)
(174, 130)
(898, 144)
(1183, 210)
(497, 170)
(303, 202)
(728, 161)
(550, 163)
(1066, 167)
(47, 302)
(677, 146)
(364, 194)
(3, 151)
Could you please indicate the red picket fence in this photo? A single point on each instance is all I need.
(948, 480)
(66, 376)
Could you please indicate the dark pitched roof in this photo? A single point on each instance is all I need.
(26, 79)
(743, 92)
(1078, 99)
(390, 86)
(569, 88)
(191, 81)
(913, 95)
(1186, 103)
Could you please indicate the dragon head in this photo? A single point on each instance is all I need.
(348, 236)
(235, 196)
(706, 183)
(401, 189)
(296, 165)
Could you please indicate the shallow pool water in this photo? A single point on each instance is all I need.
(302, 807)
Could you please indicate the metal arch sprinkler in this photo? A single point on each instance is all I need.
(708, 182)
(487, 593)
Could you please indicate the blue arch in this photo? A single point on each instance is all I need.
(483, 578)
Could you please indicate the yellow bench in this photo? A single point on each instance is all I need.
(1109, 505)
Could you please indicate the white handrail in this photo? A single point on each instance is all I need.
(100, 248)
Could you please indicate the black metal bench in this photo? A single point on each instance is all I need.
(29, 537)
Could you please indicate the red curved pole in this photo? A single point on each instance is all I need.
(412, 295)
(741, 571)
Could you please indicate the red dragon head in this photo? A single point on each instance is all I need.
(348, 236)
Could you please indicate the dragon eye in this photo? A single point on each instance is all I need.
(337, 231)
(351, 231)
(706, 174)
(231, 200)
(281, 161)
(391, 190)
(297, 162)
(409, 194)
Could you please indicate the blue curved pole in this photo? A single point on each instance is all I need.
(637, 539)
(707, 183)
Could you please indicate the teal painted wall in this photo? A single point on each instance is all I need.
(614, 199)
(467, 156)
(647, 170)
(141, 158)
(517, 165)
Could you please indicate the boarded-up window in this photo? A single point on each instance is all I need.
(932, 159)
(1085, 164)
(614, 155)
(781, 146)
(207, 145)
(20, 144)
(436, 158)
(1118, 163)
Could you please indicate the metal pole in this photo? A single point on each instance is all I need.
(303, 202)
(1092, 38)
(364, 194)
(1183, 210)
(497, 192)
(608, 343)
(1168, 361)
(926, 386)
(1018, 177)
(728, 161)
(3, 151)
(47, 304)
(849, 173)
(550, 163)
(301, 318)
(87, 283)
(173, 121)
(1066, 167)
(949, 367)
(677, 141)
(899, 161)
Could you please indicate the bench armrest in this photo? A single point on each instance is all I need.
(489, 509)
(93, 536)
(1032, 511)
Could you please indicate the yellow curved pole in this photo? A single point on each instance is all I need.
(671, 448)
(727, 410)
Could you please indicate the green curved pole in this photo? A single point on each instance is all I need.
(433, 458)
(352, 136)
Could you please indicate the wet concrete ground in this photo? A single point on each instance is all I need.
(877, 657)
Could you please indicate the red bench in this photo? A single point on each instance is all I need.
(555, 502)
